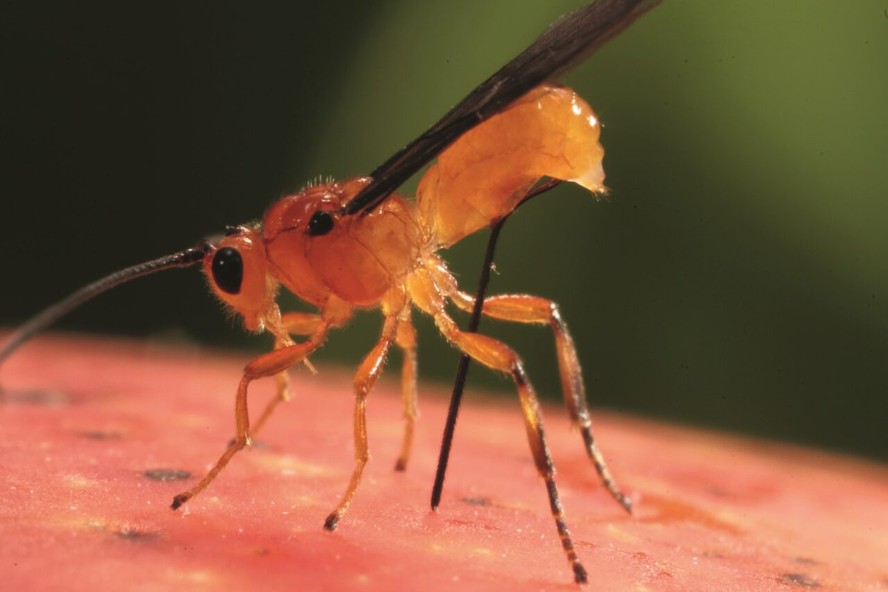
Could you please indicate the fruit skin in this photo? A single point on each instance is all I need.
(83, 420)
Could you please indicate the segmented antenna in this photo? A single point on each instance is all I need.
(50, 315)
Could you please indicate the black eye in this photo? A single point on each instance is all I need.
(228, 270)
(320, 224)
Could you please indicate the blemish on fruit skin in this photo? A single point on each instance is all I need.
(167, 475)
(74, 480)
(620, 534)
(194, 576)
(48, 397)
(799, 579)
(100, 435)
(129, 533)
(472, 524)
(477, 501)
(669, 510)
(482, 552)
(291, 466)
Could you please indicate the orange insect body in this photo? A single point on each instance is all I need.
(349, 245)
(387, 258)
(365, 261)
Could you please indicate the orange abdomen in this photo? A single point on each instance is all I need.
(549, 132)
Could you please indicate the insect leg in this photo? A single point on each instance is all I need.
(268, 364)
(294, 323)
(406, 340)
(498, 356)
(369, 370)
(522, 308)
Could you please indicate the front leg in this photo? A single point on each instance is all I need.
(268, 364)
(294, 323)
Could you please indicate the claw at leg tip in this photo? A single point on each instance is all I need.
(331, 522)
(580, 576)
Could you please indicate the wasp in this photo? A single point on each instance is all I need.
(343, 246)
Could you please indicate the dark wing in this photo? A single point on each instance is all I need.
(566, 42)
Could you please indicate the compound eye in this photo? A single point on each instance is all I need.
(320, 223)
(228, 270)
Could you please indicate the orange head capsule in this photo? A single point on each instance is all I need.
(238, 276)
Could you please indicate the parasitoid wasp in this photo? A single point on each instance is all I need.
(355, 244)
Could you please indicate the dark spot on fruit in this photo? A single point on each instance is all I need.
(136, 535)
(477, 501)
(100, 435)
(166, 475)
(799, 579)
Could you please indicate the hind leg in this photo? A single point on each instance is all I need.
(498, 356)
(522, 308)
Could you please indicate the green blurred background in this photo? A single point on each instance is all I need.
(736, 277)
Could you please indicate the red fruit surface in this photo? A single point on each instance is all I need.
(91, 427)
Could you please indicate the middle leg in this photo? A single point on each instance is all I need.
(366, 376)
(406, 340)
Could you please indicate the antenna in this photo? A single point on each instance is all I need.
(50, 315)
